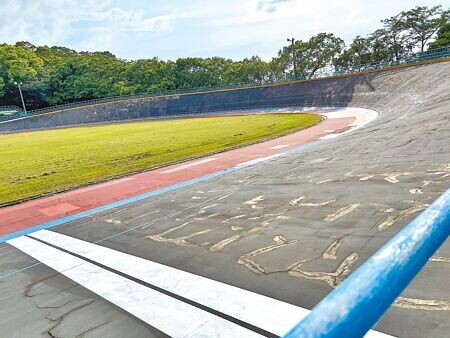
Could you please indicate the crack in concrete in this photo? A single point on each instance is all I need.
(83, 334)
(247, 261)
(331, 278)
(254, 202)
(422, 304)
(416, 207)
(330, 252)
(440, 259)
(418, 191)
(341, 212)
(182, 241)
(61, 318)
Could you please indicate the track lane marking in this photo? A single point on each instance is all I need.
(163, 312)
(280, 146)
(264, 312)
(188, 165)
(267, 313)
(258, 160)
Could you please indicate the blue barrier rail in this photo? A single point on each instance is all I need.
(360, 301)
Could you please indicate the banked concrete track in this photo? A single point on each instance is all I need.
(290, 228)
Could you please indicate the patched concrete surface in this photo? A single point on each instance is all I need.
(291, 228)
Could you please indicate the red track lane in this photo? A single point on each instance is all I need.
(28, 214)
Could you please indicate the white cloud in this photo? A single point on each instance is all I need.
(177, 28)
(270, 6)
(132, 21)
(57, 22)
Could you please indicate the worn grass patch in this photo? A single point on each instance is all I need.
(42, 162)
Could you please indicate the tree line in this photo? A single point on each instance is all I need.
(56, 75)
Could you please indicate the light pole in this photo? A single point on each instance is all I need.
(292, 41)
(19, 84)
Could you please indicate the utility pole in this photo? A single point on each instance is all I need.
(292, 41)
(19, 84)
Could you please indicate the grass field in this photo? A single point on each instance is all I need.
(41, 162)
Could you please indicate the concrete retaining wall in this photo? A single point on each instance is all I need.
(321, 92)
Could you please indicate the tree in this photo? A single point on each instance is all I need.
(2, 87)
(311, 56)
(87, 76)
(253, 70)
(25, 44)
(21, 64)
(442, 37)
(357, 54)
(393, 37)
(423, 22)
(198, 72)
(150, 75)
(18, 64)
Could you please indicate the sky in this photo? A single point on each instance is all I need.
(134, 29)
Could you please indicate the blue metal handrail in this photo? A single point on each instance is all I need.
(361, 300)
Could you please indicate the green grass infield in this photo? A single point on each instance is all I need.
(43, 162)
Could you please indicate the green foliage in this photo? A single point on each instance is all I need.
(402, 33)
(442, 38)
(320, 51)
(18, 64)
(358, 53)
(252, 70)
(198, 72)
(422, 22)
(41, 162)
(2, 87)
(87, 76)
(150, 75)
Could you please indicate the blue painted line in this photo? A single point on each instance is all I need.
(361, 300)
(64, 220)
(19, 270)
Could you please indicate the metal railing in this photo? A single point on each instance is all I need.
(11, 112)
(409, 58)
(10, 108)
(356, 305)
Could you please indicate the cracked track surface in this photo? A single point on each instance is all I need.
(292, 228)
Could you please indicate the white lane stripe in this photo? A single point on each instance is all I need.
(258, 160)
(165, 313)
(264, 312)
(267, 313)
(280, 146)
(188, 165)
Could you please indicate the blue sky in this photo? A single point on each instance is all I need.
(133, 29)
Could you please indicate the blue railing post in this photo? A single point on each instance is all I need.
(360, 301)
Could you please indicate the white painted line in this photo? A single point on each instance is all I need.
(362, 116)
(280, 146)
(326, 137)
(188, 165)
(163, 312)
(258, 160)
(264, 312)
